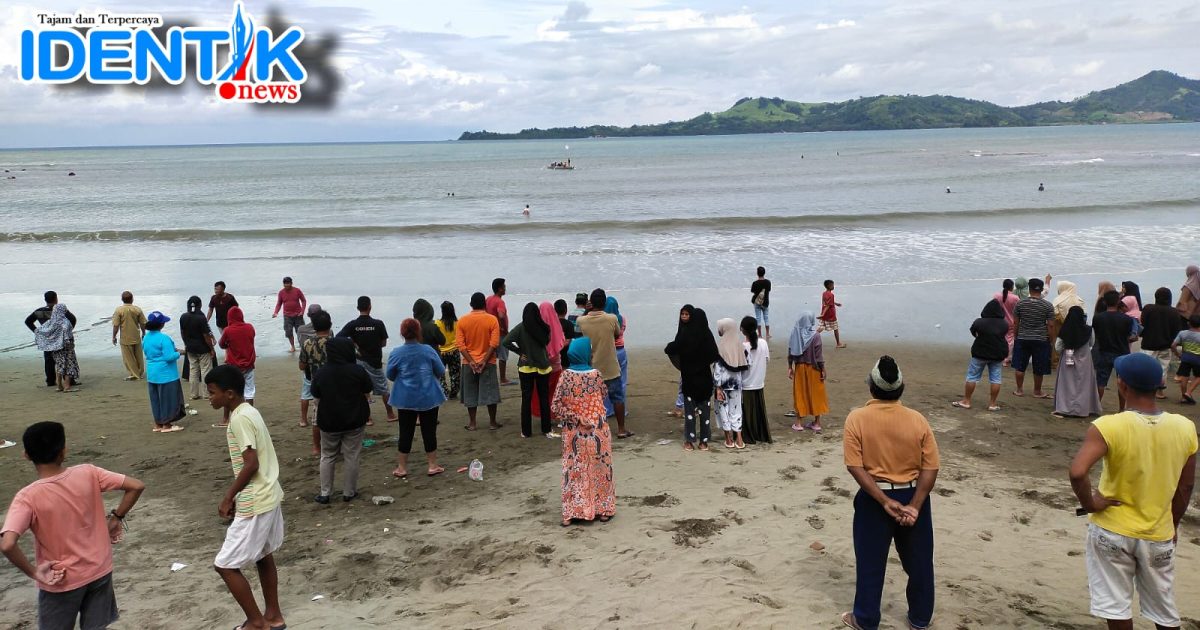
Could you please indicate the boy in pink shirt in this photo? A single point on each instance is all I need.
(291, 299)
(828, 316)
(73, 537)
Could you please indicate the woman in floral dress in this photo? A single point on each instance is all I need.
(587, 481)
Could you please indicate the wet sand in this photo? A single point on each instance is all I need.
(752, 539)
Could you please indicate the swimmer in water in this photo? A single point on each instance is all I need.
(947, 190)
(1041, 187)
(525, 212)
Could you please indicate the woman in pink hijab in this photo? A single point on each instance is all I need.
(554, 348)
(1008, 299)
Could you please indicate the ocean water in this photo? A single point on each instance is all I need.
(658, 221)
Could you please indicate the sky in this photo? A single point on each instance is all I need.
(412, 70)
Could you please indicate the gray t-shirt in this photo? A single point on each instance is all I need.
(1033, 314)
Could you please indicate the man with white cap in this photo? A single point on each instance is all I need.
(892, 454)
(1149, 471)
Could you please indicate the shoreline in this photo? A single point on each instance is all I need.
(734, 527)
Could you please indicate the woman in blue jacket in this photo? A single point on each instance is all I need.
(416, 371)
(162, 375)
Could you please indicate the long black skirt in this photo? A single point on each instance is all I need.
(755, 427)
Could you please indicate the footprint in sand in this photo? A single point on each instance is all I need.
(816, 522)
(792, 473)
(738, 490)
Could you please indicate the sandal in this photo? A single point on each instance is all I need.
(849, 621)
(797, 427)
(960, 405)
(994, 408)
(171, 430)
(469, 428)
(436, 471)
(627, 434)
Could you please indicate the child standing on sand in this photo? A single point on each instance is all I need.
(65, 510)
(828, 316)
(253, 501)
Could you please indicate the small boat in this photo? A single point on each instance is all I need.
(561, 166)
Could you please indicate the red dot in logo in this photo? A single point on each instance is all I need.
(227, 91)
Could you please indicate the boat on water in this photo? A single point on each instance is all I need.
(561, 166)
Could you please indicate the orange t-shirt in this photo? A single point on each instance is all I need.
(478, 334)
(66, 514)
(892, 442)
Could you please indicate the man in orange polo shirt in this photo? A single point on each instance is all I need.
(477, 339)
(892, 454)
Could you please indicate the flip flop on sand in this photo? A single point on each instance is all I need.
(960, 405)
(849, 621)
(994, 408)
(400, 475)
(171, 430)
(798, 427)
(1043, 396)
(1019, 394)
(220, 426)
(627, 434)
(469, 427)
(495, 426)
(436, 471)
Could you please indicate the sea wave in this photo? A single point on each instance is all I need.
(664, 225)
(1070, 162)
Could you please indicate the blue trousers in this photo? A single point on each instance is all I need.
(874, 532)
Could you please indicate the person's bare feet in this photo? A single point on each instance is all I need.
(400, 473)
(841, 345)
(316, 451)
(495, 425)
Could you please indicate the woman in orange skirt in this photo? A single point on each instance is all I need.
(806, 368)
(587, 472)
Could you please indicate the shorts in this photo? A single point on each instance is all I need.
(1115, 563)
(480, 390)
(616, 391)
(1103, 362)
(249, 392)
(1164, 359)
(762, 315)
(502, 354)
(829, 325)
(291, 323)
(379, 382)
(975, 371)
(251, 539)
(1036, 349)
(94, 604)
(305, 388)
(1187, 369)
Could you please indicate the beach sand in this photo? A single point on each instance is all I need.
(751, 539)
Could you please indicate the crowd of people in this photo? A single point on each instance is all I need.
(573, 373)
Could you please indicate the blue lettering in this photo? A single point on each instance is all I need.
(206, 44)
(99, 55)
(148, 50)
(27, 55)
(279, 52)
(45, 62)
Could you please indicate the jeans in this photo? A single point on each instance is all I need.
(874, 532)
(349, 445)
(696, 413)
(529, 380)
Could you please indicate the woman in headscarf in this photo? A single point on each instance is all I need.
(449, 350)
(693, 353)
(1130, 307)
(587, 473)
(1104, 287)
(342, 386)
(56, 336)
(162, 375)
(1189, 295)
(1068, 297)
(988, 351)
(198, 343)
(1007, 299)
(806, 368)
(1160, 325)
(612, 308)
(529, 340)
(555, 350)
(430, 335)
(1128, 288)
(754, 405)
(1021, 287)
(1075, 392)
(728, 372)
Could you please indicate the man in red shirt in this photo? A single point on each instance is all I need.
(828, 316)
(496, 308)
(291, 300)
(238, 342)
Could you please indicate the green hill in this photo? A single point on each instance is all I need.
(1157, 96)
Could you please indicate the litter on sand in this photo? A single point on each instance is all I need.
(7, 443)
(663, 442)
(316, 597)
(177, 566)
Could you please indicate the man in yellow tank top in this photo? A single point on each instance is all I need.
(1149, 471)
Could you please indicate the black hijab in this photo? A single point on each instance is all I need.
(1131, 288)
(535, 327)
(993, 309)
(1075, 332)
(694, 342)
(423, 313)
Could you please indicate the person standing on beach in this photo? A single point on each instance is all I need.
(613, 308)
(417, 395)
(581, 300)
(1008, 300)
(760, 297)
(41, 315)
(892, 454)
(430, 334)
(728, 372)
(238, 343)
(198, 342)
(342, 386)
(556, 350)
(1034, 319)
(496, 308)
(1067, 297)
(603, 330)
(219, 304)
(530, 340)
(1189, 295)
(291, 299)
(1145, 488)
(806, 369)
(1075, 393)
(755, 427)
(1114, 332)
(129, 323)
(449, 350)
(64, 508)
(828, 316)
(478, 339)
(693, 353)
(370, 336)
(57, 336)
(162, 375)
(1186, 346)
(1021, 287)
(1104, 287)
(304, 333)
(313, 356)
(988, 351)
(252, 503)
(1160, 325)
(588, 492)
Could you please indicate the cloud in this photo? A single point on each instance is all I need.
(646, 71)
(1087, 69)
(825, 26)
(848, 71)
